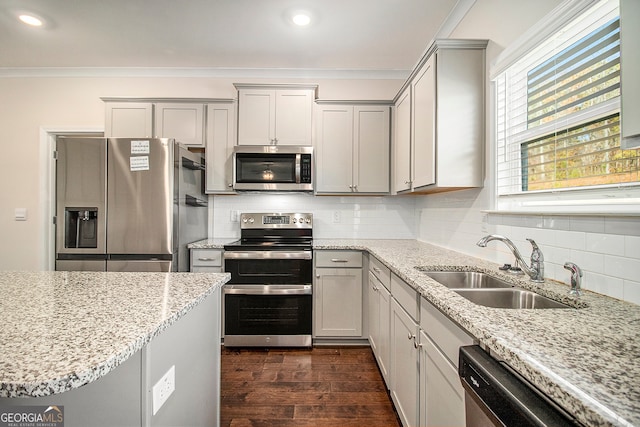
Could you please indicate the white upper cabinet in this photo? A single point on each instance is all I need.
(440, 133)
(402, 142)
(630, 66)
(156, 118)
(352, 149)
(182, 121)
(128, 120)
(221, 125)
(275, 115)
(423, 119)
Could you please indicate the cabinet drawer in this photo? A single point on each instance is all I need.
(405, 295)
(206, 257)
(198, 269)
(448, 336)
(338, 259)
(381, 271)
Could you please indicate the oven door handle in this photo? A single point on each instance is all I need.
(267, 255)
(267, 289)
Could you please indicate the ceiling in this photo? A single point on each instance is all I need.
(353, 35)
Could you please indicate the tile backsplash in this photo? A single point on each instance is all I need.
(607, 248)
(334, 217)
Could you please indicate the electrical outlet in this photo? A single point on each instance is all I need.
(336, 216)
(163, 388)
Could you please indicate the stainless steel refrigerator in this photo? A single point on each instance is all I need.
(126, 204)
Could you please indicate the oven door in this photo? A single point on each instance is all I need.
(267, 315)
(269, 267)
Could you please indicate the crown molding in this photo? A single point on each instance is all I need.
(234, 73)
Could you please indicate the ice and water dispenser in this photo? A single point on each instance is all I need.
(81, 227)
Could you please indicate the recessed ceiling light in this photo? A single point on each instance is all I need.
(301, 19)
(30, 20)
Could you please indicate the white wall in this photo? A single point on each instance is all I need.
(607, 248)
(32, 105)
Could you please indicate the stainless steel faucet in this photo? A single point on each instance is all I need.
(535, 271)
(576, 279)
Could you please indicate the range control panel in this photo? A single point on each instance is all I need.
(276, 220)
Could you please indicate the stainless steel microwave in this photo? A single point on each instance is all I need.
(272, 168)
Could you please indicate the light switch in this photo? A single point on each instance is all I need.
(20, 214)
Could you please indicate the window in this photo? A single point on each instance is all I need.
(558, 111)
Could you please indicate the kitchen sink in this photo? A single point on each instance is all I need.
(466, 279)
(508, 298)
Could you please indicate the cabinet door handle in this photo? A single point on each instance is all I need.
(416, 345)
(339, 260)
(377, 270)
(411, 336)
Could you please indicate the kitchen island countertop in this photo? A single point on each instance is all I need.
(62, 330)
(587, 359)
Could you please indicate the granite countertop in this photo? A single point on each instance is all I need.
(62, 330)
(587, 358)
(210, 243)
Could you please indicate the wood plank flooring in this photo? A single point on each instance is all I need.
(337, 386)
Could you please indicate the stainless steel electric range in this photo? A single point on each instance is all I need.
(268, 301)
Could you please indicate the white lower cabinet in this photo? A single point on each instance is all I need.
(206, 260)
(379, 320)
(404, 364)
(441, 393)
(337, 294)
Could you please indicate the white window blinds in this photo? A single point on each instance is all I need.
(557, 118)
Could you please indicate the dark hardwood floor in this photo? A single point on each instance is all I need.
(337, 386)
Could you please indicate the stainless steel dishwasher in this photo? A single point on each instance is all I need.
(497, 396)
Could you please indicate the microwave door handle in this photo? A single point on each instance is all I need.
(298, 162)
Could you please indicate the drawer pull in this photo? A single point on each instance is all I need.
(339, 260)
(377, 270)
(207, 259)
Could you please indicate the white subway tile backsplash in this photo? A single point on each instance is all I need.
(622, 267)
(632, 248)
(358, 217)
(605, 243)
(631, 291)
(587, 261)
(629, 226)
(587, 223)
(603, 284)
(557, 222)
(572, 239)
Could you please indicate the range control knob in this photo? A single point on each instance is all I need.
(251, 220)
(295, 220)
(307, 220)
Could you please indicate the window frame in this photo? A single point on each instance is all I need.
(602, 199)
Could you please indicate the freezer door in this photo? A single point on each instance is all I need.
(161, 266)
(81, 265)
(140, 196)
